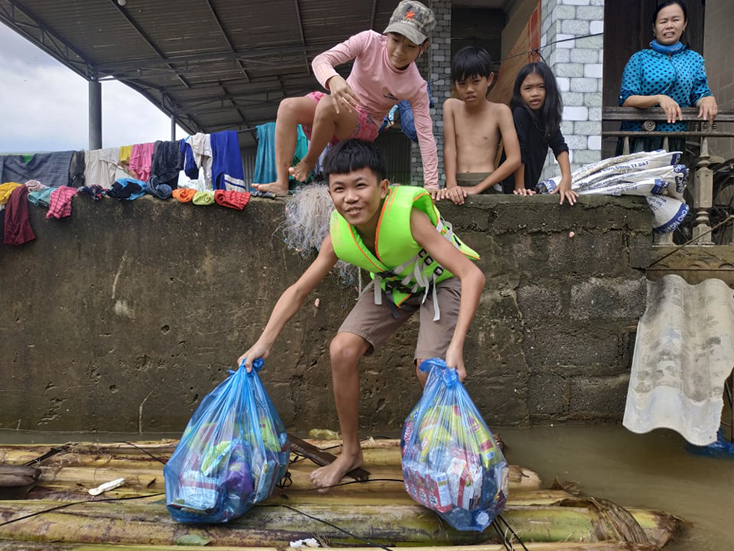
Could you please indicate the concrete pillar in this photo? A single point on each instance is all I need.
(95, 114)
(173, 127)
(434, 68)
(577, 65)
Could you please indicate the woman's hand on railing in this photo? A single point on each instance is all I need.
(671, 108)
(707, 108)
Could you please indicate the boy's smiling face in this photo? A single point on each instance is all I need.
(402, 52)
(358, 197)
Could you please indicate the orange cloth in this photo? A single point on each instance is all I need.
(183, 194)
(232, 199)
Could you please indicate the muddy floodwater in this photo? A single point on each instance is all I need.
(653, 471)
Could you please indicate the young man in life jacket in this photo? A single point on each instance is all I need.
(417, 264)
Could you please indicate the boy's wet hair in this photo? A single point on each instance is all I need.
(471, 61)
(351, 155)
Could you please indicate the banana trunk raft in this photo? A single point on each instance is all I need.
(58, 512)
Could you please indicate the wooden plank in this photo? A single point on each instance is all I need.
(321, 457)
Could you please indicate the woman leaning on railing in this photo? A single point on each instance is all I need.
(669, 76)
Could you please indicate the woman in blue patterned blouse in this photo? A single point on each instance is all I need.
(669, 76)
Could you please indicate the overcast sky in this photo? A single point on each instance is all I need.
(44, 105)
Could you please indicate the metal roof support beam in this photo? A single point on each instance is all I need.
(234, 104)
(95, 114)
(36, 32)
(249, 56)
(374, 14)
(147, 40)
(226, 37)
(303, 37)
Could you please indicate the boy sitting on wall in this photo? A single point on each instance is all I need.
(417, 263)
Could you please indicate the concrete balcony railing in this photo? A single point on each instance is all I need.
(701, 179)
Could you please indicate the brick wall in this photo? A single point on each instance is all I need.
(434, 66)
(577, 65)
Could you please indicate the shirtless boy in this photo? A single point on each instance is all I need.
(473, 127)
(397, 234)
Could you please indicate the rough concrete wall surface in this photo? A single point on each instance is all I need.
(122, 317)
(720, 64)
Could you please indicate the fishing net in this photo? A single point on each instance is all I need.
(306, 225)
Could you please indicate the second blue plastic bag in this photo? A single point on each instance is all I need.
(231, 455)
(450, 460)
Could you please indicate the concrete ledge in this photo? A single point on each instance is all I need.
(122, 317)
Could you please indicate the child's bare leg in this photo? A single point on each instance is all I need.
(326, 124)
(346, 350)
(291, 113)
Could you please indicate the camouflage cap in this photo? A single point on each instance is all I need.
(413, 20)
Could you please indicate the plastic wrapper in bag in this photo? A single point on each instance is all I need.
(451, 462)
(232, 454)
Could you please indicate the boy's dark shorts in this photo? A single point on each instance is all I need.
(375, 323)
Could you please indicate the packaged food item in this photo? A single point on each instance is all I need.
(232, 454)
(450, 460)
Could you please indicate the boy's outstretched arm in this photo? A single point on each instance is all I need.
(512, 152)
(289, 303)
(450, 153)
(449, 142)
(471, 277)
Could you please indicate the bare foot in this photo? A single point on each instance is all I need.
(301, 171)
(276, 188)
(330, 475)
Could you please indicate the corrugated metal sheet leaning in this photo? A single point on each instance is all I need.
(683, 354)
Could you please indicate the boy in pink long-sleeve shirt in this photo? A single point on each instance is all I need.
(383, 74)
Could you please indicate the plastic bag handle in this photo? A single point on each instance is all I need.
(257, 365)
(449, 374)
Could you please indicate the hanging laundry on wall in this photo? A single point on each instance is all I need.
(76, 169)
(127, 188)
(101, 166)
(227, 172)
(6, 191)
(17, 225)
(59, 205)
(265, 160)
(141, 159)
(167, 163)
(51, 169)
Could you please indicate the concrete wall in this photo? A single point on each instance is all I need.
(720, 64)
(122, 317)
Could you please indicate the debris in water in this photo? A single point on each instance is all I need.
(111, 485)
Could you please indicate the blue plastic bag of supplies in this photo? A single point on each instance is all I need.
(451, 462)
(231, 455)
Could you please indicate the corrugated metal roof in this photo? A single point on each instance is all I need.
(684, 352)
(214, 63)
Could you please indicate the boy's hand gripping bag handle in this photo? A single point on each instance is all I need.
(449, 375)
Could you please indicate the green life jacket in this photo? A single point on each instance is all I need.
(400, 267)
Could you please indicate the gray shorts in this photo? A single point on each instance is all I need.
(375, 323)
(469, 179)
